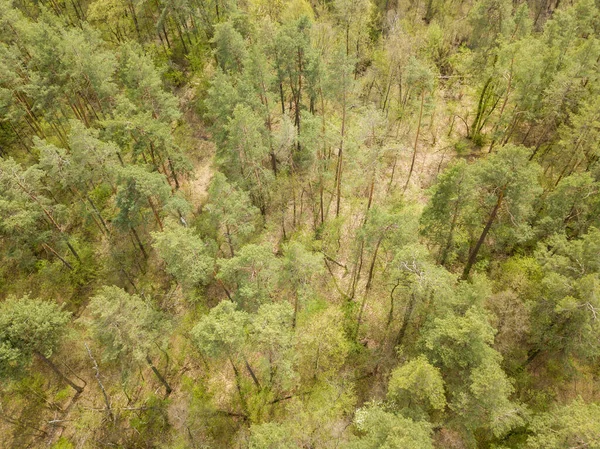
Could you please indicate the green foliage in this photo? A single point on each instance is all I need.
(185, 255)
(381, 429)
(417, 384)
(326, 282)
(222, 332)
(127, 327)
(230, 213)
(572, 425)
(29, 327)
(253, 272)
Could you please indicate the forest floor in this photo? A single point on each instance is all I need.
(201, 149)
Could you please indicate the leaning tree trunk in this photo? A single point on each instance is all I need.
(159, 376)
(58, 372)
(484, 233)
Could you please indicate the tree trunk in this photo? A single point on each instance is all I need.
(139, 242)
(368, 286)
(155, 212)
(480, 108)
(53, 251)
(444, 254)
(414, 156)
(338, 174)
(391, 312)
(407, 314)
(59, 373)
(159, 376)
(100, 384)
(251, 372)
(484, 233)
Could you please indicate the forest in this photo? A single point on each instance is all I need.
(313, 224)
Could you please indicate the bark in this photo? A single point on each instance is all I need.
(338, 174)
(480, 108)
(238, 385)
(155, 212)
(391, 313)
(251, 372)
(368, 286)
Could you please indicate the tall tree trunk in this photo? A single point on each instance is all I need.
(414, 156)
(338, 175)
(53, 251)
(251, 372)
(368, 286)
(446, 249)
(155, 212)
(480, 109)
(484, 233)
(238, 384)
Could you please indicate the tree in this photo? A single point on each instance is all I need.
(185, 255)
(128, 328)
(139, 188)
(253, 273)
(28, 328)
(230, 48)
(222, 335)
(417, 385)
(441, 220)
(244, 157)
(299, 269)
(320, 345)
(231, 214)
(507, 186)
(479, 390)
(565, 306)
(572, 425)
(421, 79)
(23, 192)
(380, 429)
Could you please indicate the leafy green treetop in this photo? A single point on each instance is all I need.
(28, 328)
(128, 327)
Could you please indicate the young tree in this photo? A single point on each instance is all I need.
(222, 335)
(24, 192)
(442, 220)
(565, 307)
(139, 188)
(300, 269)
